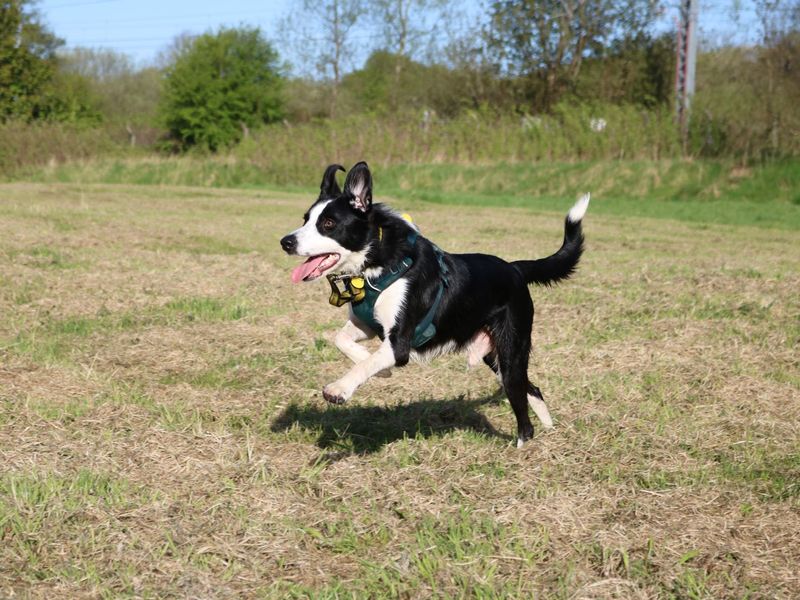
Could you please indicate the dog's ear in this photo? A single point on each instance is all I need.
(358, 185)
(329, 188)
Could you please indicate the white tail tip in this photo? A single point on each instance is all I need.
(579, 209)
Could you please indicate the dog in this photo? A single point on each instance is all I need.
(420, 300)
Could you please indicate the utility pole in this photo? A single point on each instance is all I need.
(686, 60)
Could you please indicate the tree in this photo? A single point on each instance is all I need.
(27, 62)
(69, 97)
(405, 25)
(548, 40)
(323, 35)
(119, 91)
(422, 86)
(477, 85)
(220, 86)
(779, 57)
(638, 70)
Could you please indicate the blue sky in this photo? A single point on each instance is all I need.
(142, 28)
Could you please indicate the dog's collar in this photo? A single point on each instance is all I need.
(405, 216)
(348, 288)
(353, 288)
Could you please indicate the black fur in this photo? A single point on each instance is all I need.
(483, 293)
(329, 188)
(559, 266)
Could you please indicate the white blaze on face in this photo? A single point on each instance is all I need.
(324, 252)
(327, 255)
(310, 241)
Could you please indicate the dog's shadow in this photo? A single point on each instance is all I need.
(345, 430)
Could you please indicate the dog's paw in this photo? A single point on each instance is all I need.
(334, 394)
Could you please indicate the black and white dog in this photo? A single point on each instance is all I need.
(420, 300)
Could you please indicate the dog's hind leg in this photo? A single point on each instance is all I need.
(491, 361)
(512, 338)
(535, 399)
(515, 383)
(539, 407)
(347, 339)
(479, 347)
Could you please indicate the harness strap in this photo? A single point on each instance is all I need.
(394, 273)
(365, 309)
(426, 329)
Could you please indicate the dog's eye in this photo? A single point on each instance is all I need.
(328, 224)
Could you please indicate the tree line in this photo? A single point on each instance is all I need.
(398, 57)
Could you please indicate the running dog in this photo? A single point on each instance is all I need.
(420, 300)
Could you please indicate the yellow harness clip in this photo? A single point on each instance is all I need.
(358, 284)
(346, 289)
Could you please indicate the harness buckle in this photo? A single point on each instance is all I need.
(345, 288)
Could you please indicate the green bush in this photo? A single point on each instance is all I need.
(221, 86)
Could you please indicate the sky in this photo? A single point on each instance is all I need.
(142, 28)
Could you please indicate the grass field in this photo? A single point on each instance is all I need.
(699, 191)
(162, 431)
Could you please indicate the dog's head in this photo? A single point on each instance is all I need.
(336, 231)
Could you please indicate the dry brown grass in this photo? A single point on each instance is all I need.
(162, 433)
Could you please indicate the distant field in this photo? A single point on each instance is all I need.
(163, 434)
(699, 191)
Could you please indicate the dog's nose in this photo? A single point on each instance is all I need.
(289, 244)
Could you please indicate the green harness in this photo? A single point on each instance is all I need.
(363, 293)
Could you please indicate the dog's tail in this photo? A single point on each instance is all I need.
(562, 264)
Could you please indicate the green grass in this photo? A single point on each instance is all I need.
(696, 191)
(40, 509)
(42, 257)
(55, 340)
(700, 191)
(206, 309)
(162, 432)
(202, 244)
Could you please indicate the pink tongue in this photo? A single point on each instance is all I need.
(304, 270)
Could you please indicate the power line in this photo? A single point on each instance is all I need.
(172, 35)
(719, 19)
(77, 4)
(174, 17)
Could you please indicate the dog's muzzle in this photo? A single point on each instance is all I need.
(289, 244)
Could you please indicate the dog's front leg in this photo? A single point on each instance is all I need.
(341, 390)
(393, 350)
(347, 339)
